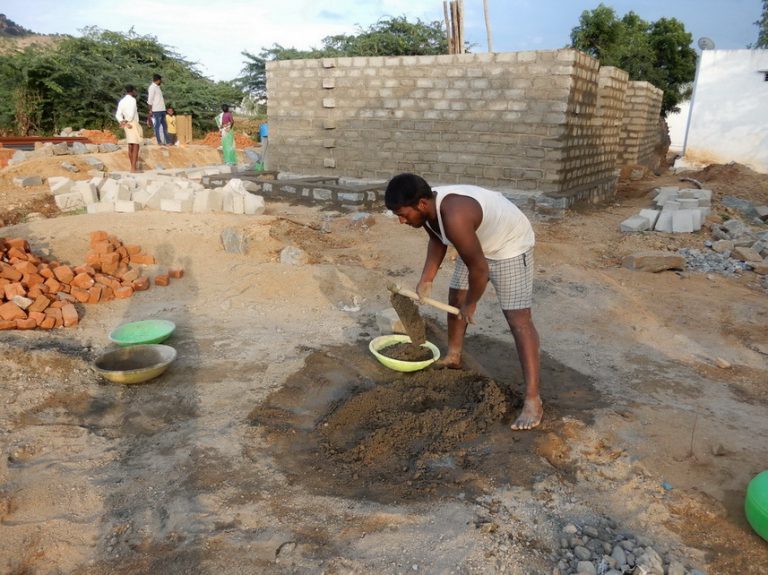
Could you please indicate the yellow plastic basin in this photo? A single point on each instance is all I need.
(135, 364)
(384, 341)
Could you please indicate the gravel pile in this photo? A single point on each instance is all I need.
(604, 550)
(708, 261)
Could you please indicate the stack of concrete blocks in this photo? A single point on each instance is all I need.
(179, 191)
(679, 211)
(545, 121)
(47, 149)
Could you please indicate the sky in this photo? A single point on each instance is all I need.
(213, 34)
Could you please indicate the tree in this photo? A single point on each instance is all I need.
(393, 36)
(762, 33)
(658, 52)
(78, 81)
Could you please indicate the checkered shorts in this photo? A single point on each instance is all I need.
(511, 278)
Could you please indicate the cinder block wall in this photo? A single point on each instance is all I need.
(640, 128)
(546, 121)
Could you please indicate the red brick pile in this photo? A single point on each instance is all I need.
(37, 293)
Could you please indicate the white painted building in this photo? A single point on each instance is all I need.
(729, 113)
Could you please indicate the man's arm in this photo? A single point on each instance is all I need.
(435, 254)
(461, 217)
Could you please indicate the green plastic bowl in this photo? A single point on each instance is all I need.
(398, 364)
(142, 332)
(756, 504)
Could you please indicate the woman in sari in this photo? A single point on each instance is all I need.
(225, 121)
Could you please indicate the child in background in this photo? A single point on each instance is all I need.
(170, 119)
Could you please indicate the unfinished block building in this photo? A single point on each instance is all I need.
(552, 122)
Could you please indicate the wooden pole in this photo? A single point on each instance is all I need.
(448, 26)
(488, 26)
(455, 26)
(461, 27)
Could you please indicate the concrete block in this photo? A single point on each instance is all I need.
(664, 223)
(101, 208)
(236, 185)
(670, 206)
(254, 205)
(28, 181)
(682, 221)
(233, 203)
(70, 201)
(88, 191)
(704, 197)
(59, 185)
(634, 224)
(141, 197)
(126, 206)
(688, 203)
(165, 192)
(651, 216)
(180, 206)
(183, 195)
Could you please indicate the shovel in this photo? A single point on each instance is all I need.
(395, 288)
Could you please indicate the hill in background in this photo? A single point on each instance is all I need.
(9, 28)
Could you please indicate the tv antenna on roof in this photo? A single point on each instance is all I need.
(706, 43)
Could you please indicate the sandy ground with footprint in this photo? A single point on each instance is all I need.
(276, 443)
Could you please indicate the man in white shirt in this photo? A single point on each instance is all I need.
(127, 116)
(157, 109)
(495, 242)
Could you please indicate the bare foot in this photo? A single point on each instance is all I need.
(449, 362)
(530, 416)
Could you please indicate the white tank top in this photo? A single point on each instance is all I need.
(504, 232)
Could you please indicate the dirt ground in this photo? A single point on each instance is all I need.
(276, 443)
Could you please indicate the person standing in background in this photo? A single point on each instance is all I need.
(127, 116)
(170, 120)
(156, 104)
(225, 121)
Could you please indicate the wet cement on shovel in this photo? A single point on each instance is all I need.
(409, 315)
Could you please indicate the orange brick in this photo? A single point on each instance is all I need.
(144, 259)
(27, 323)
(65, 288)
(81, 295)
(98, 236)
(141, 284)
(33, 259)
(46, 272)
(94, 294)
(7, 324)
(54, 312)
(107, 294)
(110, 258)
(18, 243)
(13, 289)
(26, 267)
(130, 275)
(64, 274)
(56, 304)
(53, 284)
(17, 253)
(123, 292)
(102, 247)
(162, 280)
(92, 258)
(48, 323)
(38, 316)
(30, 280)
(122, 267)
(69, 314)
(3, 282)
(176, 272)
(132, 249)
(83, 281)
(10, 311)
(122, 252)
(40, 304)
(37, 290)
(109, 268)
(114, 240)
(11, 273)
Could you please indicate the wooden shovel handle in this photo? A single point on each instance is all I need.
(427, 300)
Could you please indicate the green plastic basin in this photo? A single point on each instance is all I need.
(384, 341)
(142, 332)
(756, 504)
